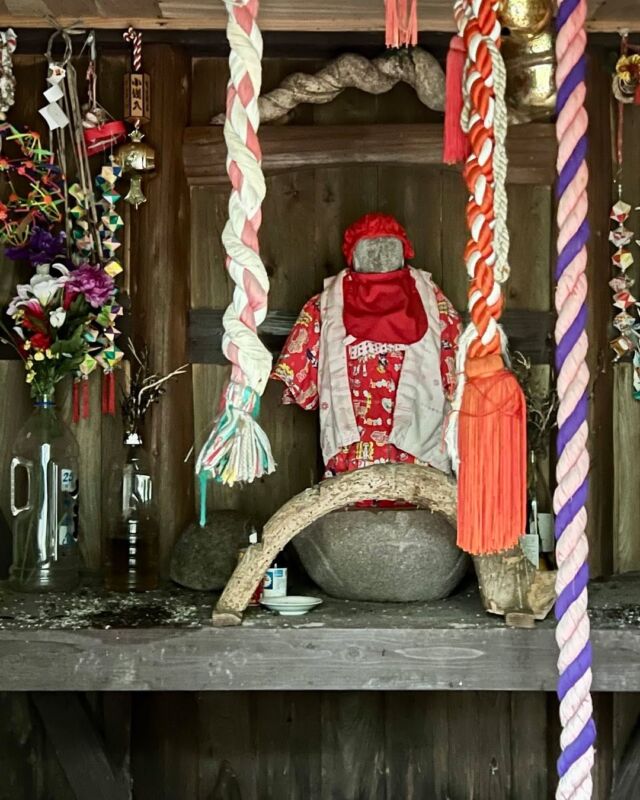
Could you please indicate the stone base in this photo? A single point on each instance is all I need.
(385, 555)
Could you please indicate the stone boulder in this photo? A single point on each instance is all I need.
(386, 555)
(204, 558)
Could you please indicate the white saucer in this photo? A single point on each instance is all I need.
(291, 605)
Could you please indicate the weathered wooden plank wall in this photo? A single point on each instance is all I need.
(626, 434)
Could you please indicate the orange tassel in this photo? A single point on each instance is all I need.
(492, 443)
(456, 142)
(401, 23)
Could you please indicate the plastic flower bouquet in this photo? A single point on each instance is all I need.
(59, 319)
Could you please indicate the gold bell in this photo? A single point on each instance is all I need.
(135, 157)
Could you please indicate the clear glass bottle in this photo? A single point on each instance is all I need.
(131, 543)
(44, 503)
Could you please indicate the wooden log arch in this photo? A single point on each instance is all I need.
(424, 487)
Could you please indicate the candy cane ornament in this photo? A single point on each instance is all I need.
(238, 450)
(572, 632)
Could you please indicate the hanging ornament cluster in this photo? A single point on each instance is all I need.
(101, 131)
(136, 157)
(626, 318)
(626, 79)
(36, 185)
(91, 220)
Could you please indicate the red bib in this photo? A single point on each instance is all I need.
(383, 307)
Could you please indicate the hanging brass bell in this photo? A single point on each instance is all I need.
(528, 50)
(135, 157)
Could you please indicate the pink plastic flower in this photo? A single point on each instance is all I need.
(92, 282)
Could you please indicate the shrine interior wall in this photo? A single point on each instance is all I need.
(343, 745)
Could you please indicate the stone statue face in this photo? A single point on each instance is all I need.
(379, 254)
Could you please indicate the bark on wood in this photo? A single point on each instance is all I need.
(421, 486)
(415, 67)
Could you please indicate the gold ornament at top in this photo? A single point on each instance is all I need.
(526, 16)
(528, 49)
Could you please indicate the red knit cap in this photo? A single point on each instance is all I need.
(373, 226)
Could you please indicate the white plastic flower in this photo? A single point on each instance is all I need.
(42, 287)
(57, 317)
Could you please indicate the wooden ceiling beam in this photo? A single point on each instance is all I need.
(275, 15)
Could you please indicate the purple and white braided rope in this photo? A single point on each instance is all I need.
(572, 632)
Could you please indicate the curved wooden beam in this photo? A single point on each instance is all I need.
(424, 487)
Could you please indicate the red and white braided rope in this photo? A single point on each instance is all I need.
(484, 120)
(135, 38)
(241, 345)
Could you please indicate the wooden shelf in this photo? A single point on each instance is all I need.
(163, 641)
(531, 149)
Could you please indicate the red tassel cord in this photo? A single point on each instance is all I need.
(109, 393)
(456, 142)
(85, 399)
(75, 401)
(401, 23)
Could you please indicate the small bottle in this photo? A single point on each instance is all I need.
(131, 545)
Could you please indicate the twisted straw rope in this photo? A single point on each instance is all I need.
(572, 632)
(415, 67)
(241, 345)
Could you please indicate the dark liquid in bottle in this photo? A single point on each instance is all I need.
(132, 558)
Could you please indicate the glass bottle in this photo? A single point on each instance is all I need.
(44, 503)
(131, 546)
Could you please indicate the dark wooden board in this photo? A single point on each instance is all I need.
(531, 149)
(78, 746)
(451, 644)
(528, 331)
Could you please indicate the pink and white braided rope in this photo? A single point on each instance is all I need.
(238, 450)
(250, 358)
(572, 632)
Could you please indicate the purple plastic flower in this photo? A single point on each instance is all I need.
(92, 282)
(43, 247)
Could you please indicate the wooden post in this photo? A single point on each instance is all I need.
(160, 293)
(600, 504)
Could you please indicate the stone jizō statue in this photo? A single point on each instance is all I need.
(374, 352)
